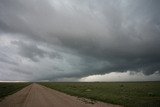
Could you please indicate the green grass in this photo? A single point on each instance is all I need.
(10, 88)
(128, 94)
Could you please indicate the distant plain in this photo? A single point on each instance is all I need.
(128, 94)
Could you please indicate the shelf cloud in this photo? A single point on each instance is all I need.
(57, 39)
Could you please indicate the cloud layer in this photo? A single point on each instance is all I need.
(56, 39)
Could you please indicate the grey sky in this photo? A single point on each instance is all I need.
(73, 39)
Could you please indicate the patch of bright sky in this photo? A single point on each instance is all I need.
(124, 76)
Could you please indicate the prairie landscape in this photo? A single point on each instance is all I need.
(128, 94)
(10, 88)
(79, 53)
(124, 94)
(36, 95)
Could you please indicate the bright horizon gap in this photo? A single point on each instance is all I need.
(109, 77)
(121, 77)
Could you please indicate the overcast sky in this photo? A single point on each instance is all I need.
(79, 40)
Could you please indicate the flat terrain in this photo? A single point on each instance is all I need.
(128, 94)
(36, 95)
(10, 88)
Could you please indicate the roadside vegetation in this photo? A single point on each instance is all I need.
(128, 94)
(10, 88)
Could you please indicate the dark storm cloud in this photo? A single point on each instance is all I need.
(5, 59)
(29, 51)
(88, 36)
(20, 71)
(32, 52)
(132, 42)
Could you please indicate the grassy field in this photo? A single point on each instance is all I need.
(10, 88)
(128, 94)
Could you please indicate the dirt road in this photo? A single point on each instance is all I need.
(36, 95)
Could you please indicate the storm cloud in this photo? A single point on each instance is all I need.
(57, 39)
